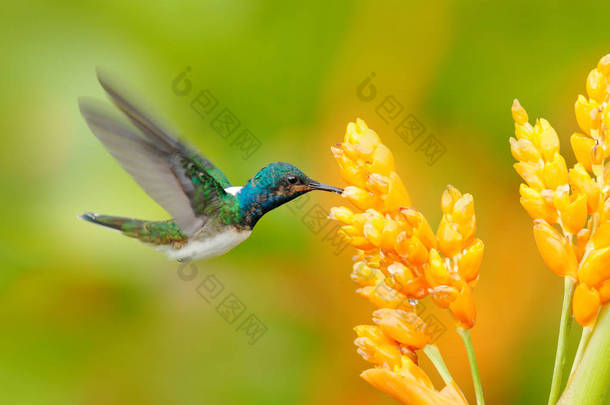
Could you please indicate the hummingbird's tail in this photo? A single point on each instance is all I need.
(106, 220)
(154, 232)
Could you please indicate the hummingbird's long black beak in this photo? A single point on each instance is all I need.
(316, 185)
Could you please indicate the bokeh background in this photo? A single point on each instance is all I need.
(90, 317)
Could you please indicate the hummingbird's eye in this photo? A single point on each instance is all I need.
(292, 180)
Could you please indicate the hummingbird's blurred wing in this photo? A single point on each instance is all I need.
(167, 172)
(153, 130)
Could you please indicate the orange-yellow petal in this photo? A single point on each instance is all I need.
(402, 326)
(582, 147)
(554, 249)
(470, 261)
(596, 268)
(585, 304)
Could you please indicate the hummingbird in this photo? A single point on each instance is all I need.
(210, 216)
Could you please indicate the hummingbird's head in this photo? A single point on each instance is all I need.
(274, 185)
(286, 180)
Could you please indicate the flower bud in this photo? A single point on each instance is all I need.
(532, 174)
(582, 147)
(582, 182)
(549, 143)
(596, 85)
(463, 309)
(404, 327)
(342, 214)
(536, 205)
(604, 65)
(555, 249)
(436, 272)
(450, 240)
(555, 172)
(375, 347)
(596, 267)
(524, 150)
(449, 198)
(585, 304)
(360, 197)
(519, 113)
(585, 113)
(470, 261)
(574, 216)
(382, 161)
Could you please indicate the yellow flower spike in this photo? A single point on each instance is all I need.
(341, 214)
(596, 85)
(581, 182)
(596, 268)
(449, 198)
(375, 347)
(470, 261)
(582, 147)
(585, 304)
(554, 249)
(463, 309)
(555, 172)
(575, 215)
(549, 143)
(450, 240)
(404, 327)
(519, 114)
(524, 150)
(436, 272)
(531, 173)
(536, 205)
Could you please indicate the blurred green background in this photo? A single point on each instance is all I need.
(90, 317)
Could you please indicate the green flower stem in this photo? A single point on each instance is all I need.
(564, 326)
(474, 369)
(590, 383)
(437, 359)
(584, 339)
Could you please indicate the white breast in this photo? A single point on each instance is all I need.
(210, 247)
